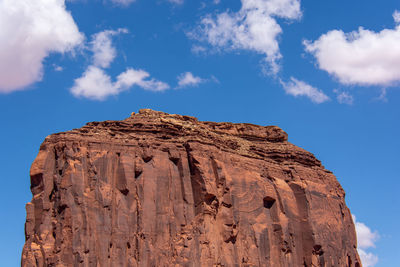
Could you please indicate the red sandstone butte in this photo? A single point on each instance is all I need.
(158, 189)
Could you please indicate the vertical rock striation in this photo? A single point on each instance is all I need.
(167, 190)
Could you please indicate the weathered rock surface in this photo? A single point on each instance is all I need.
(167, 190)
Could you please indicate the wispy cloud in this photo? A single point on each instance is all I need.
(198, 49)
(188, 79)
(298, 88)
(103, 50)
(252, 28)
(123, 2)
(30, 31)
(360, 57)
(177, 2)
(344, 97)
(58, 68)
(396, 16)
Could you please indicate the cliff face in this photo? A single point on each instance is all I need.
(167, 190)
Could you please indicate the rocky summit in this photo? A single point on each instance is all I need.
(159, 189)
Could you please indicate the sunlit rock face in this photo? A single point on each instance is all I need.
(158, 189)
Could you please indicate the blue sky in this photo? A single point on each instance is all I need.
(327, 72)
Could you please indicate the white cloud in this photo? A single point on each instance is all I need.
(131, 77)
(123, 2)
(382, 97)
(103, 50)
(177, 2)
(344, 97)
(188, 79)
(367, 259)
(57, 68)
(198, 49)
(365, 239)
(361, 57)
(140, 77)
(154, 85)
(95, 84)
(299, 88)
(252, 28)
(396, 16)
(29, 32)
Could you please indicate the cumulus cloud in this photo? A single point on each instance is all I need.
(29, 32)
(299, 88)
(188, 79)
(344, 97)
(253, 28)
(360, 57)
(96, 84)
(366, 239)
(367, 259)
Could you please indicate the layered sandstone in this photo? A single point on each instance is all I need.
(167, 190)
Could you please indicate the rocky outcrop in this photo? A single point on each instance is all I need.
(167, 190)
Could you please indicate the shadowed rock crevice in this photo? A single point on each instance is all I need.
(197, 181)
(160, 189)
(305, 230)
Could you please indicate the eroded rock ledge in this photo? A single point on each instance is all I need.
(159, 189)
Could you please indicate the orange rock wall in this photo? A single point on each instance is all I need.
(167, 190)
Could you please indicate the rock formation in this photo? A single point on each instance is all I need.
(158, 189)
